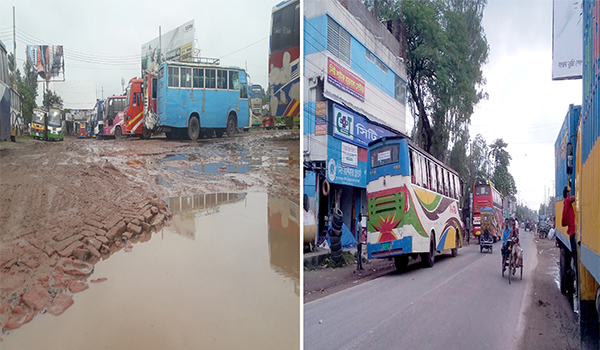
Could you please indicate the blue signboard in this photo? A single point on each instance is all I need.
(356, 129)
(346, 163)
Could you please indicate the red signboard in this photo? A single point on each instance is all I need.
(345, 80)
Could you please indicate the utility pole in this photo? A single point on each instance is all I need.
(14, 41)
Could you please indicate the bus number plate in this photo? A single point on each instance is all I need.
(385, 246)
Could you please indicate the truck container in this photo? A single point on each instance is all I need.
(577, 154)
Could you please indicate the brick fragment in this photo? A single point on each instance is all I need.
(69, 250)
(116, 230)
(102, 239)
(92, 222)
(63, 244)
(135, 229)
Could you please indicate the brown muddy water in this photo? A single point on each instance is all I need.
(223, 275)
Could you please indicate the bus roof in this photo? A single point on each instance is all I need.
(283, 4)
(402, 136)
(196, 65)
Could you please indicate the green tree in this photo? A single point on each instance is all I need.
(501, 177)
(51, 99)
(26, 85)
(446, 48)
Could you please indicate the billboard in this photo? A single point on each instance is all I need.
(567, 43)
(177, 45)
(47, 59)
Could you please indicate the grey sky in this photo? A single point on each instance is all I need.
(114, 31)
(525, 107)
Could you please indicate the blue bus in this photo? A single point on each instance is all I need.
(5, 94)
(196, 99)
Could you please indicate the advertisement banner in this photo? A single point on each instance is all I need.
(345, 80)
(339, 160)
(567, 46)
(48, 60)
(321, 118)
(349, 154)
(177, 45)
(356, 129)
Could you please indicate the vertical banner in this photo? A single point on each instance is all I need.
(321, 118)
(567, 43)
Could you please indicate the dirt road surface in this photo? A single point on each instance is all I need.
(549, 321)
(66, 205)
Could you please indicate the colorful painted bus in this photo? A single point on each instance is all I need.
(113, 124)
(141, 97)
(55, 127)
(197, 98)
(5, 94)
(413, 203)
(39, 124)
(256, 99)
(284, 66)
(486, 195)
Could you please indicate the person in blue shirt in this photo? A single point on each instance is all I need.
(506, 234)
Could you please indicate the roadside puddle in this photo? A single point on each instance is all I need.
(224, 274)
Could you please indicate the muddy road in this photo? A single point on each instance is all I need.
(67, 207)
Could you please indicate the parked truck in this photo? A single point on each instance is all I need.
(577, 157)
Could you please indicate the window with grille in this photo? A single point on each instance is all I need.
(338, 41)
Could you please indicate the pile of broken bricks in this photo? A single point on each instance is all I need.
(64, 263)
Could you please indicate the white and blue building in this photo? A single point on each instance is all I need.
(354, 93)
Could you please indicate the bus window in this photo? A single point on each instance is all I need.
(384, 155)
(243, 90)
(413, 170)
(154, 87)
(186, 78)
(234, 80)
(439, 179)
(198, 78)
(210, 79)
(451, 185)
(425, 173)
(446, 183)
(221, 79)
(173, 77)
(432, 179)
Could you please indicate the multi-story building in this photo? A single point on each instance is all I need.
(354, 93)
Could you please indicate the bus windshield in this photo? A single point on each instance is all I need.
(483, 190)
(54, 117)
(38, 117)
(384, 155)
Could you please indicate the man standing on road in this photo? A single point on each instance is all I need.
(568, 220)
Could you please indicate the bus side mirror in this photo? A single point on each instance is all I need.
(569, 158)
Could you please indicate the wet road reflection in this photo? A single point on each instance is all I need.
(224, 275)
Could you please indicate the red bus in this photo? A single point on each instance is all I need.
(139, 91)
(486, 195)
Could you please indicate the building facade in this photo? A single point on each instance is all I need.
(354, 93)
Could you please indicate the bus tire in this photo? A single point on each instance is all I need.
(118, 132)
(231, 125)
(325, 188)
(13, 138)
(193, 130)
(146, 133)
(562, 271)
(401, 262)
(454, 250)
(429, 258)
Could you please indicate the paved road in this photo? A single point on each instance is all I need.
(460, 303)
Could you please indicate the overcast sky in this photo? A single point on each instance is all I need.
(114, 31)
(526, 107)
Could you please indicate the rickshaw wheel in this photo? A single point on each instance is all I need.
(521, 272)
